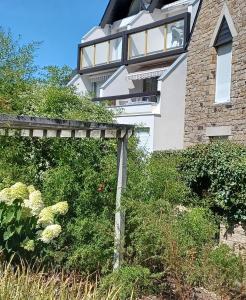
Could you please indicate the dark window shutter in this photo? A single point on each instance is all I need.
(224, 34)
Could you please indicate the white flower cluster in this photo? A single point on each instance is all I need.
(34, 202)
(46, 217)
(17, 191)
(47, 214)
(50, 232)
(33, 205)
(28, 245)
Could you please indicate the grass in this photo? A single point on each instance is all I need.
(23, 283)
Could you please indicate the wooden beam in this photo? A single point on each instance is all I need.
(120, 214)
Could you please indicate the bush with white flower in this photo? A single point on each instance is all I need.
(25, 222)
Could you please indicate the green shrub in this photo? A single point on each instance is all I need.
(159, 179)
(133, 282)
(224, 271)
(217, 174)
(169, 243)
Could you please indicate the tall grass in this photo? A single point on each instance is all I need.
(23, 283)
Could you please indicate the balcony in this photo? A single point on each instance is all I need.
(153, 41)
(137, 103)
(98, 54)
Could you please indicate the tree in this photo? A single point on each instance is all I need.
(17, 72)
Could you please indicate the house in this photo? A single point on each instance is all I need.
(135, 61)
(216, 74)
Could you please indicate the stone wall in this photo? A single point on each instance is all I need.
(234, 237)
(202, 113)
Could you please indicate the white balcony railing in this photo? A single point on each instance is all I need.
(102, 53)
(130, 99)
(156, 40)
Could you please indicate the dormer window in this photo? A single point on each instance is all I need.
(137, 6)
(146, 3)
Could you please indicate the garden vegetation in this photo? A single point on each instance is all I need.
(57, 203)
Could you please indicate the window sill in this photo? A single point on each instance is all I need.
(226, 103)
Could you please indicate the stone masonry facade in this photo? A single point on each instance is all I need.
(201, 110)
(234, 237)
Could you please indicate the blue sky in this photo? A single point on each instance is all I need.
(59, 24)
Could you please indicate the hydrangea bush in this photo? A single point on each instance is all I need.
(25, 223)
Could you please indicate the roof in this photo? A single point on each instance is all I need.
(46, 127)
(118, 9)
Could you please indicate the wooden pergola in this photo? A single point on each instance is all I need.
(36, 127)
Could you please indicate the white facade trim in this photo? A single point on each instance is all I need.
(224, 13)
(173, 67)
(113, 77)
(136, 17)
(89, 33)
(177, 4)
(138, 114)
(71, 82)
(121, 24)
(218, 131)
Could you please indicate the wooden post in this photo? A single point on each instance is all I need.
(120, 214)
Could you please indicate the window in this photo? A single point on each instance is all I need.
(96, 88)
(150, 84)
(218, 138)
(223, 45)
(223, 73)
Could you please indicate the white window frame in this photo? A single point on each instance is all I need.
(223, 73)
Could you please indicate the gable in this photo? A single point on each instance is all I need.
(224, 34)
(225, 29)
(120, 9)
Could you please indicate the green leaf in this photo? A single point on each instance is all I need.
(18, 215)
(9, 217)
(18, 229)
(7, 235)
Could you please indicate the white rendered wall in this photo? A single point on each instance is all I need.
(169, 128)
(96, 32)
(146, 140)
(81, 83)
(117, 84)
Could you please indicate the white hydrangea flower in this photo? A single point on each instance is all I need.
(6, 196)
(60, 208)
(19, 191)
(46, 216)
(35, 202)
(50, 232)
(31, 189)
(28, 245)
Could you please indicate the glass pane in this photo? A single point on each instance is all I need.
(115, 49)
(223, 73)
(175, 35)
(102, 52)
(137, 44)
(155, 40)
(87, 57)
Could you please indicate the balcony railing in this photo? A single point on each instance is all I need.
(152, 41)
(156, 40)
(130, 99)
(101, 53)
